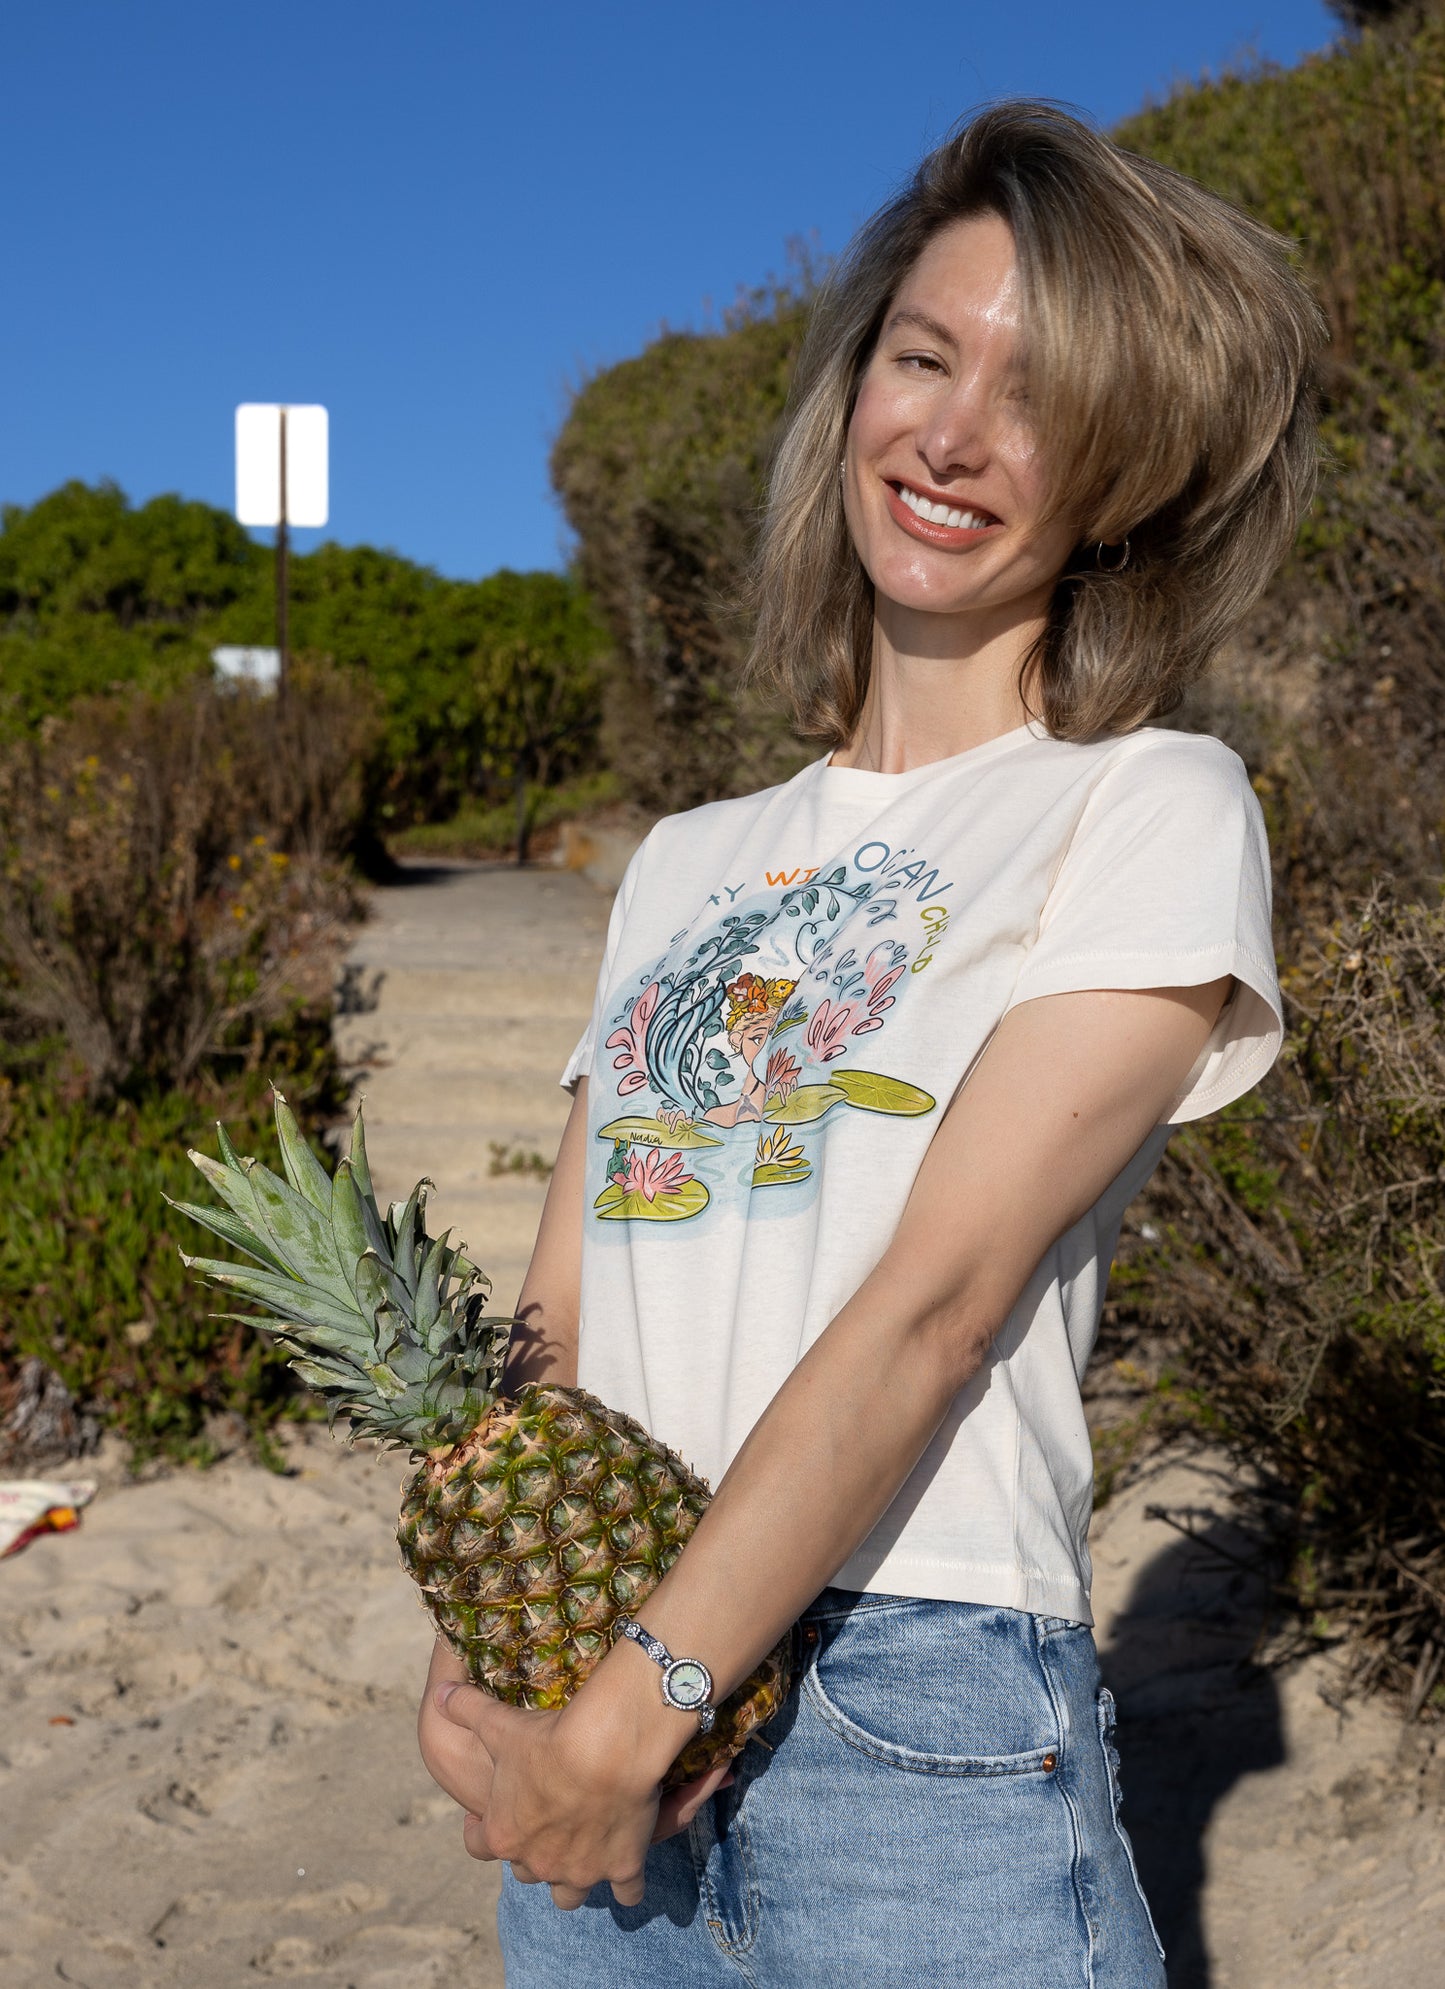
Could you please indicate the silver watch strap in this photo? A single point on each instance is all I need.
(686, 1682)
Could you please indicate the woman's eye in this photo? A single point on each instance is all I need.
(925, 361)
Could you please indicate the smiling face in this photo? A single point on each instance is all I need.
(944, 491)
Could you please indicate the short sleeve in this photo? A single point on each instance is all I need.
(1166, 883)
(579, 1064)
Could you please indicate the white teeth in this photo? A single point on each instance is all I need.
(940, 514)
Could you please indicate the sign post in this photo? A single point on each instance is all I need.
(281, 480)
(281, 551)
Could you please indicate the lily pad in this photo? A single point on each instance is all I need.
(870, 1091)
(770, 1174)
(670, 1205)
(652, 1132)
(808, 1101)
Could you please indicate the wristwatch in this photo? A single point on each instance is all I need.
(686, 1681)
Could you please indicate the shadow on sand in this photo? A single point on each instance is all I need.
(1196, 1712)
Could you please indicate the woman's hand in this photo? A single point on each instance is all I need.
(547, 1792)
(558, 1813)
(450, 1755)
(464, 1745)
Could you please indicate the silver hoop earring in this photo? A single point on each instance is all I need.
(1119, 564)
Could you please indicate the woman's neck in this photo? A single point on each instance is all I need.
(938, 687)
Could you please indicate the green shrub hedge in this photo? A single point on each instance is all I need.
(91, 1282)
(97, 595)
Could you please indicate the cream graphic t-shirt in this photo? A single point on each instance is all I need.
(795, 984)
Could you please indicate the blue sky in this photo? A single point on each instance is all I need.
(438, 216)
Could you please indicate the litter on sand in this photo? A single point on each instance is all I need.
(39, 1505)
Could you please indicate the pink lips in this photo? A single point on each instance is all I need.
(953, 536)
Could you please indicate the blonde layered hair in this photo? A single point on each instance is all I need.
(1169, 349)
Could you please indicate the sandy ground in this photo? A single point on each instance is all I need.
(207, 1767)
(1283, 1843)
(235, 1794)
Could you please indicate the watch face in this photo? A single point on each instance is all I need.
(687, 1683)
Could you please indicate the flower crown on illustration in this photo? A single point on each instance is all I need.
(750, 994)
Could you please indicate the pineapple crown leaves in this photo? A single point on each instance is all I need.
(387, 1322)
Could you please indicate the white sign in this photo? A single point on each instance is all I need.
(258, 464)
(261, 667)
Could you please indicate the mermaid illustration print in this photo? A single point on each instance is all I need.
(754, 1005)
(742, 1039)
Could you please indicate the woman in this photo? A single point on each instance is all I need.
(1051, 434)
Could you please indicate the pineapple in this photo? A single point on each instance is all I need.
(530, 1522)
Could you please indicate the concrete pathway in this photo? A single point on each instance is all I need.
(482, 978)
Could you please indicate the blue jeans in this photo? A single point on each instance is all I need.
(936, 1803)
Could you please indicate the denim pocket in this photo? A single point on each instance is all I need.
(935, 1688)
(1107, 1714)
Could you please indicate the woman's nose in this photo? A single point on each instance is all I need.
(956, 438)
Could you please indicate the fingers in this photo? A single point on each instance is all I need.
(474, 1837)
(450, 1754)
(627, 1892)
(567, 1898)
(455, 1759)
(445, 1667)
(679, 1806)
(468, 1706)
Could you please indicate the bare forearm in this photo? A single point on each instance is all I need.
(544, 1346)
(817, 1472)
(1070, 1087)
(543, 1349)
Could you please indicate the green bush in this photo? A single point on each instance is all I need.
(169, 868)
(95, 595)
(1290, 1249)
(91, 1282)
(660, 469)
(1346, 153)
(472, 680)
(476, 680)
(487, 832)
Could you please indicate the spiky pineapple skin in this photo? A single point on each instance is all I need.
(530, 1538)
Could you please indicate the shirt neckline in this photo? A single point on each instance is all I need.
(867, 781)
